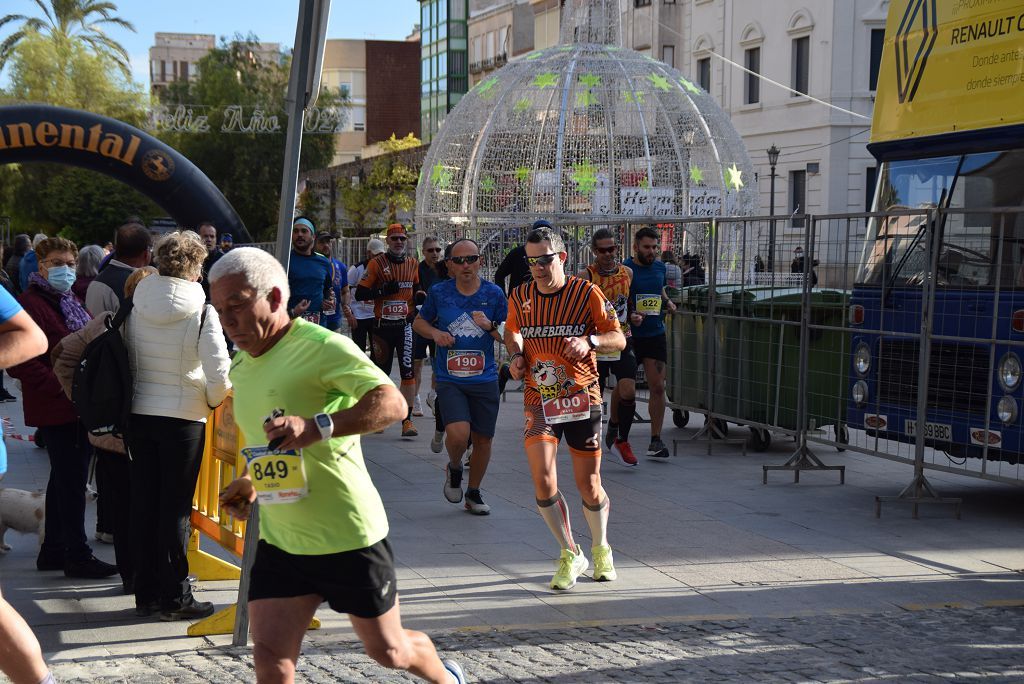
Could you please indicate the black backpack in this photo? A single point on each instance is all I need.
(102, 388)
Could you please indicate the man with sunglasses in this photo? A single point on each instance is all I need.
(614, 279)
(391, 281)
(556, 326)
(648, 298)
(461, 315)
(421, 346)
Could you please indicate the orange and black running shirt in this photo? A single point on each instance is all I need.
(544, 321)
(392, 309)
(615, 288)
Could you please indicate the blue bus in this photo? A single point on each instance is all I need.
(948, 132)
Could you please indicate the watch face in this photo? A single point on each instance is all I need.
(323, 420)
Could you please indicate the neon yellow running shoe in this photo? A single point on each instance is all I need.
(604, 566)
(570, 566)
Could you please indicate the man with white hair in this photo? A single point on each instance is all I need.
(303, 395)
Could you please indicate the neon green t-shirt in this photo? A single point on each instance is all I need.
(312, 370)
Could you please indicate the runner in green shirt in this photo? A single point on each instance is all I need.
(303, 395)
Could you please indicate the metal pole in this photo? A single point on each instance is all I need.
(771, 214)
(303, 84)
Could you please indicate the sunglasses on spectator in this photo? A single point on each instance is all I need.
(607, 250)
(460, 260)
(433, 250)
(58, 264)
(542, 260)
(400, 238)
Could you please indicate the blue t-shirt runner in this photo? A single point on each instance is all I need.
(309, 277)
(331, 318)
(471, 359)
(645, 292)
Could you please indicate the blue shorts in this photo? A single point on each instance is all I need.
(476, 404)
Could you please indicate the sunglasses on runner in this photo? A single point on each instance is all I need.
(607, 250)
(460, 260)
(542, 260)
(433, 250)
(400, 238)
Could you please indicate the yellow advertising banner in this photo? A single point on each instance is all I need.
(950, 66)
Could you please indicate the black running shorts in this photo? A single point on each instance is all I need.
(360, 582)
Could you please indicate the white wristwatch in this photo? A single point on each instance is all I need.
(324, 424)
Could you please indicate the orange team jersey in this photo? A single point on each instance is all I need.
(392, 309)
(545, 320)
(615, 288)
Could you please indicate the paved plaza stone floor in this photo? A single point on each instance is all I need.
(721, 578)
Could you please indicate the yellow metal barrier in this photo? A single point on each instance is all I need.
(221, 464)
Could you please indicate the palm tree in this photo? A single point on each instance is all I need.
(71, 21)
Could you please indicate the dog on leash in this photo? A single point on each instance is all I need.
(21, 511)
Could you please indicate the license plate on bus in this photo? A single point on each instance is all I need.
(938, 431)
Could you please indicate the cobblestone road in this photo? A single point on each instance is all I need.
(930, 645)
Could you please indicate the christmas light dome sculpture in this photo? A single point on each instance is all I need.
(583, 132)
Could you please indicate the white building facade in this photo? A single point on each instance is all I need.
(826, 50)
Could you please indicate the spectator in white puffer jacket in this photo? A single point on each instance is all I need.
(179, 363)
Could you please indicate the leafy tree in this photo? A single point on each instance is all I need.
(390, 187)
(246, 166)
(70, 24)
(84, 205)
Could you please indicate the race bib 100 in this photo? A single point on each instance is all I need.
(567, 409)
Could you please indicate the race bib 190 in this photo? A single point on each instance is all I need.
(465, 363)
(278, 476)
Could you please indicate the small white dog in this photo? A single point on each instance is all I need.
(21, 511)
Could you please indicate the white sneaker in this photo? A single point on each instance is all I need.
(431, 401)
(417, 408)
(570, 566)
(436, 441)
(452, 484)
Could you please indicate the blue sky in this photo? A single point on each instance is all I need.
(271, 20)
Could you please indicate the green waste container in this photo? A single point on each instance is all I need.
(757, 354)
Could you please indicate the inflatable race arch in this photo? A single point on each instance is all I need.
(42, 133)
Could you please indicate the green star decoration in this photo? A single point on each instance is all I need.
(590, 80)
(522, 104)
(689, 86)
(440, 177)
(696, 175)
(585, 98)
(585, 177)
(522, 174)
(483, 88)
(488, 185)
(735, 177)
(632, 97)
(546, 80)
(659, 82)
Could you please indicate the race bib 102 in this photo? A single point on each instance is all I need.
(395, 309)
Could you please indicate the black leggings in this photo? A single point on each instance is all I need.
(361, 335)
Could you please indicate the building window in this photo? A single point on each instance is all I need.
(801, 65)
(641, 3)
(870, 179)
(503, 47)
(798, 195)
(752, 80)
(704, 73)
(877, 41)
(668, 55)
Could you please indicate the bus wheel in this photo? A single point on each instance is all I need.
(680, 418)
(843, 437)
(760, 439)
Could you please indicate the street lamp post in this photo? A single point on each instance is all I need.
(773, 159)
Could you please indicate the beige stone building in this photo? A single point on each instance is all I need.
(175, 57)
